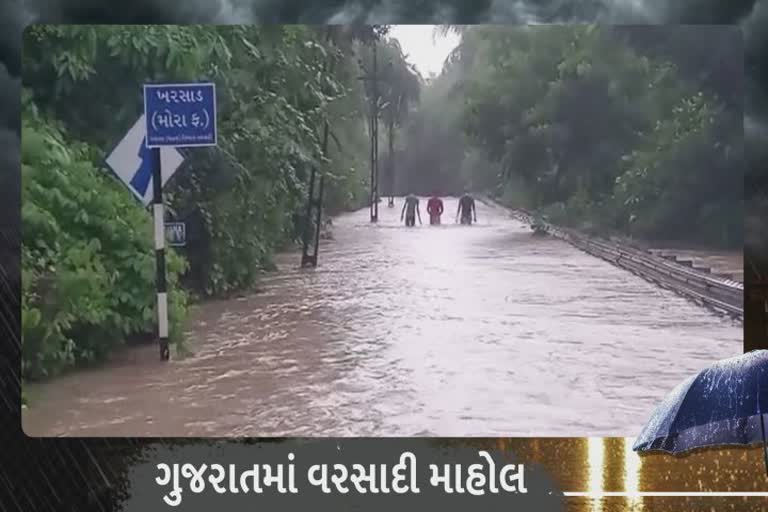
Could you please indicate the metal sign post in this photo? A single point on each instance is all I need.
(162, 292)
(176, 115)
(145, 171)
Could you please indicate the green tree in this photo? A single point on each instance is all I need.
(87, 256)
(242, 201)
(591, 125)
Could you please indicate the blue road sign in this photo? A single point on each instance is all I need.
(180, 115)
(131, 161)
(140, 181)
(176, 233)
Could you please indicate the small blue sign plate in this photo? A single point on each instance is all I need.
(180, 115)
(176, 233)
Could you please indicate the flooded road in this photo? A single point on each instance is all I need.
(427, 331)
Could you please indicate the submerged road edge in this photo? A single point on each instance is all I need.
(724, 296)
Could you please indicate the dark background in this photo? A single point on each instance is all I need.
(76, 474)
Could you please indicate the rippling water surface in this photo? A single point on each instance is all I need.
(437, 331)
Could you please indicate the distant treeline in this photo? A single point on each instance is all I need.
(634, 129)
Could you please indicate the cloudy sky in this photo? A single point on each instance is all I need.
(424, 49)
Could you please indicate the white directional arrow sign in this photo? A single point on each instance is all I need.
(131, 161)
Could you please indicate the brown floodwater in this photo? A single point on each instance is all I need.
(445, 330)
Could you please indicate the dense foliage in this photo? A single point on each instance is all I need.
(89, 265)
(592, 125)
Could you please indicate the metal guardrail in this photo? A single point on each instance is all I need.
(720, 294)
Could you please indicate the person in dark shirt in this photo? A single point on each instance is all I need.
(411, 210)
(467, 210)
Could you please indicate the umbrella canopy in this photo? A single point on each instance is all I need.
(724, 404)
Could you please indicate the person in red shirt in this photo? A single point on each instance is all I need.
(435, 209)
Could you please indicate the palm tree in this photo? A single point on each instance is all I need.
(402, 89)
(446, 30)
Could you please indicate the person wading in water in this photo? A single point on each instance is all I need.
(411, 210)
(467, 209)
(435, 209)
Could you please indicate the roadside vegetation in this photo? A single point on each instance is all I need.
(88, 257)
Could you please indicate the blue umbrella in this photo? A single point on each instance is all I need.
(724, 404)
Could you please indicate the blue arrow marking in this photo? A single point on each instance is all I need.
(140, 180)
